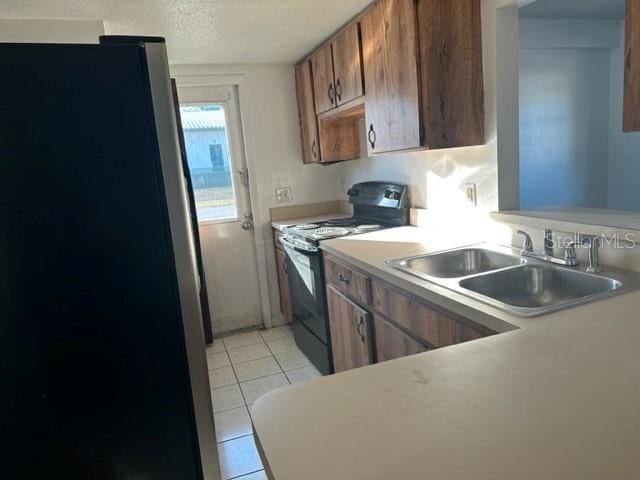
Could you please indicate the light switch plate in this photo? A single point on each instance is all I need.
(471, 194)
(283, 195)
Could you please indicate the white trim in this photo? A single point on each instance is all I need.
(221, 80)
(244, 98)
(218, 221)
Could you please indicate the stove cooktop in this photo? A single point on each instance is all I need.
(334, 228)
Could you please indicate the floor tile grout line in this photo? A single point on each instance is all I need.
(282, 370)
(276, 359)
(239, 477)
(259, 378)
(248, 345)
(263, 376)
(236, 438)
(238, 382)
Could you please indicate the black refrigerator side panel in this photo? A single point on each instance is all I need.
(93, 371)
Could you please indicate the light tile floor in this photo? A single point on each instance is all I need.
(242, 367)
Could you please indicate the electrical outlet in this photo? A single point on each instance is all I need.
(283, 195)
(471, 194)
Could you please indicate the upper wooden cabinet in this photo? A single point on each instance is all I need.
(631, 121)
(347, 65)
(307, 114)
(389, 48)
(416, 66)
(423, 72)
(323, 82)
(451, 74)
(337, 70)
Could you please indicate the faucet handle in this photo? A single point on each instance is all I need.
(527, 245)
(570, 254)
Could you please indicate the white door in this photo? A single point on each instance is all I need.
(213, 137)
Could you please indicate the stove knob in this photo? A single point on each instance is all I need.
(390, 194)
(352, 192)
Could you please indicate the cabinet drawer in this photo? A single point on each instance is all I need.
(347, 280)
(429, 324)
(391, 342)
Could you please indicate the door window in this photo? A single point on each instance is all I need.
(209, 160)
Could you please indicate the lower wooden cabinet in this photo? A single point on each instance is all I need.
(350, 332)
(372, 321)
(391, 342)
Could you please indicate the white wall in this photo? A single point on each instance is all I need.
(564, 123)
(437, 178)
(50, 31)
(624, 148)
(574, 105)
(564, 104)
(272, 148)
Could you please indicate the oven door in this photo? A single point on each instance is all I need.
(306, 283)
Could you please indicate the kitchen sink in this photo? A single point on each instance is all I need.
(527, 287)
(540, 286)
(457, 263)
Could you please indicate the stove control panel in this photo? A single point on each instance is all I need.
(378, 194)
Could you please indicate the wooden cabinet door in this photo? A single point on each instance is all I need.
(283, 284)
(389, 46)
(631, 121)
(347, 66)
(322, 70)
(307, 114)
(350, 332)
(391, 342)
(452, 85)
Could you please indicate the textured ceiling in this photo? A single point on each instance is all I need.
(208, 31)
(587, 9)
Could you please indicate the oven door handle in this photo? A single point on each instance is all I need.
(287, 244)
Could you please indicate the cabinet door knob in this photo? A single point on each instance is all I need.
(343, 278)
(372, 136)
(330, 93)
(313, 150)
(338, 90)
(362, 329)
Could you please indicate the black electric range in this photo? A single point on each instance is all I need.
(376, 205)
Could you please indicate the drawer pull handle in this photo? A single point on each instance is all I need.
(362, 329)
(342, 278)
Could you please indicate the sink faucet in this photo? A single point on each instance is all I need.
(569, 260)
(593, 242)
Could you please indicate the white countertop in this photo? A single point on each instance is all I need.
(281, 224)
(556, 398)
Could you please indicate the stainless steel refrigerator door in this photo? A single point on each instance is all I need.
(184, 252)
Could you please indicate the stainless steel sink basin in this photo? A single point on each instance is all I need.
(539, 286)
(527, 287)
(457, 263)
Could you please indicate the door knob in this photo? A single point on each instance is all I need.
(248, 221)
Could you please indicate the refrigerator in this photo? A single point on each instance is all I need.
(103, 370)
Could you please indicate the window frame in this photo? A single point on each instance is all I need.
(224, 104)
